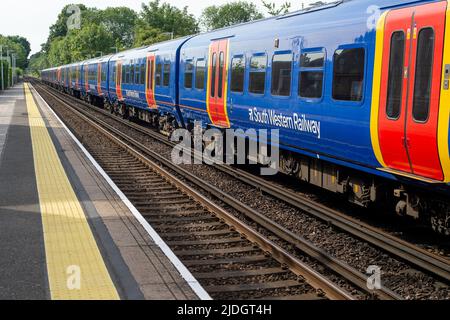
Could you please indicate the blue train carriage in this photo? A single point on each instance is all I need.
(75, 79)
(62, 78)
(52, 76)
(316, 76)
(126, 81)
(95, 80)
(144, 84)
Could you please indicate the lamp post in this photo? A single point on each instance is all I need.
(9, 55)
(7, 59)
(14, 76)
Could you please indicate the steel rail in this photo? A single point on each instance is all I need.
(337, 266)
(141, 152)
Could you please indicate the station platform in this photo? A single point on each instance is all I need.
(66, 232)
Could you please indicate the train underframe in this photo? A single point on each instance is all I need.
(359, 188)
(367, 191)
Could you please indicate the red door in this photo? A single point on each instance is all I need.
(410, 88)
(119, 81)
(86, 77)
(217, 83)
(150, 83)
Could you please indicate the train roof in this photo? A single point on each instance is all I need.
(170, 45)
(322, 17)
(315, 18)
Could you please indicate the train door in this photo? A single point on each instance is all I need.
(217, 83)
(86, 77)
(150, 81)
(99, 79)
(119, 81)
(77, 76)
(410, 89)
(70, 77)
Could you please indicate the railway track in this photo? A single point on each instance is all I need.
(230, 259)
(413, 255)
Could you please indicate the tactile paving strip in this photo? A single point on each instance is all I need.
(75, 266)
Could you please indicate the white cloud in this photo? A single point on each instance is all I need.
(32, 19)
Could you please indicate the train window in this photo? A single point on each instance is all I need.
(158, 74)
(123, 71)
(143, 72)
(166, 78)
(137, 73)
(395, 75)
(200, 69)
(281, 74)
(423, 75)
(188, 74)
(127, 74)
(213, 76)
(312, 59)
(310, 83)
(104, 74)
(257, 81)
(237, 74)
(348, 74)
(221, 65)
(131, 72)
(114, 73)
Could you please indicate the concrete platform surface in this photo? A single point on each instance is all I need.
(50, 218)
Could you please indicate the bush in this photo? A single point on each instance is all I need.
(6, 75)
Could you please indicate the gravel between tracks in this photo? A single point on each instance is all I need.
(396, 275)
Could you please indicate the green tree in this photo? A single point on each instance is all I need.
(273, 10)
(120, 23)
(168, 18)
(6, 75)
(38, 62)
(18, 49)
(146, 35)
(59, 28)
(23, 42)
(215, 17)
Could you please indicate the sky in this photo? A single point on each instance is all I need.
(32, 18)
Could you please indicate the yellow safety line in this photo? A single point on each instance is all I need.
(75, 266)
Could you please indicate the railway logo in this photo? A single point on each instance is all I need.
(298, 122)
(132, 94)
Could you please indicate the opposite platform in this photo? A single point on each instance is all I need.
(64, 232)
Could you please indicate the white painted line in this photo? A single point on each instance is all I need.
(185, 273)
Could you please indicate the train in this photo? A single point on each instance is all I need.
(359, 91)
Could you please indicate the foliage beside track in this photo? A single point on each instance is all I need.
(120, 28)
(19, 45)
(6, 75)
